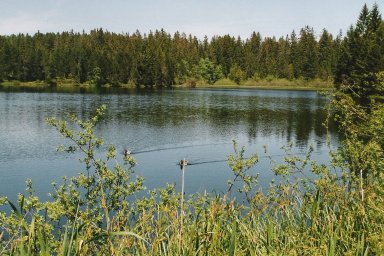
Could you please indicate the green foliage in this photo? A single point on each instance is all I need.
(208, 71)
(327, 55)
(239, 166)
(363, 131)
(358, 95)
(307, 52)
(362, 58)
(89, 208)
(236, 74)
(96, 77)
(159, 59)
(360, 113)
(251, 51)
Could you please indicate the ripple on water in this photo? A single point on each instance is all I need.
(169, 125)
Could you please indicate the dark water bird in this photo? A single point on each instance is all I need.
(183, 163)
(126, 152)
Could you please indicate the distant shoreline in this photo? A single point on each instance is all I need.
(262, 84)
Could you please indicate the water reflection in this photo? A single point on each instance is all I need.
(199, 124)
(296, 117)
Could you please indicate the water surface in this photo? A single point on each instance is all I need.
(164, 126)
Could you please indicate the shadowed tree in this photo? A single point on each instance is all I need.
(362, 57)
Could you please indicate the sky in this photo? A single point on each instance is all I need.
(197, 17)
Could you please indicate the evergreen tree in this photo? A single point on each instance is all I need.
(159, 59)
(307, 53)
(268, 58)
(294, 58)
(251, 53)
(285, 67)
(327, 56)
(362, 57)
(3, 67)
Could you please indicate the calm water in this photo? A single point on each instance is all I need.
(163, 127)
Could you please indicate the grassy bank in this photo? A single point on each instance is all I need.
(35, 84)
(295, 83)
(43, 84)
(275, 83)
(58, 83)
(266, 83)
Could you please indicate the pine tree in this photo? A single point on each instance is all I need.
(327, 56)
(251, 52)
(362, 57)
(307, 53)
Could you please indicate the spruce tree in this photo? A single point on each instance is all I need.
(362, 58)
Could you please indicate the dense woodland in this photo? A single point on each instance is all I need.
(161, 59)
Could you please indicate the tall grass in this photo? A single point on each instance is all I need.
(287, 83)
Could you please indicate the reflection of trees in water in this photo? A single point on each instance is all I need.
(298, 123)
(296, 126)
(292, 118)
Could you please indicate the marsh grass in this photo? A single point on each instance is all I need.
(271, 83)
(286, 83)
(325, 215)
(16, 83)
(225, 81)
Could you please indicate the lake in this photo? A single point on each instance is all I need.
(163, 127)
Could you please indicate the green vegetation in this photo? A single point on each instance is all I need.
(159, 59)
(338, 210)
(359, 94)
(257, 83)
(59, 83)
(283, 83)
(98, 212)
(267, 83)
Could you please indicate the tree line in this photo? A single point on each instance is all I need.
(161, 59)
(360, 69)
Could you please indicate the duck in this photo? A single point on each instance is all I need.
(126, 152)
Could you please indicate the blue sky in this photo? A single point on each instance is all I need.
(196, 17)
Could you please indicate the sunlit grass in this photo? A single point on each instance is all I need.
(285, 83)
(266, 83)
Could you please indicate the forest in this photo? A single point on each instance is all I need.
(161, 59)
